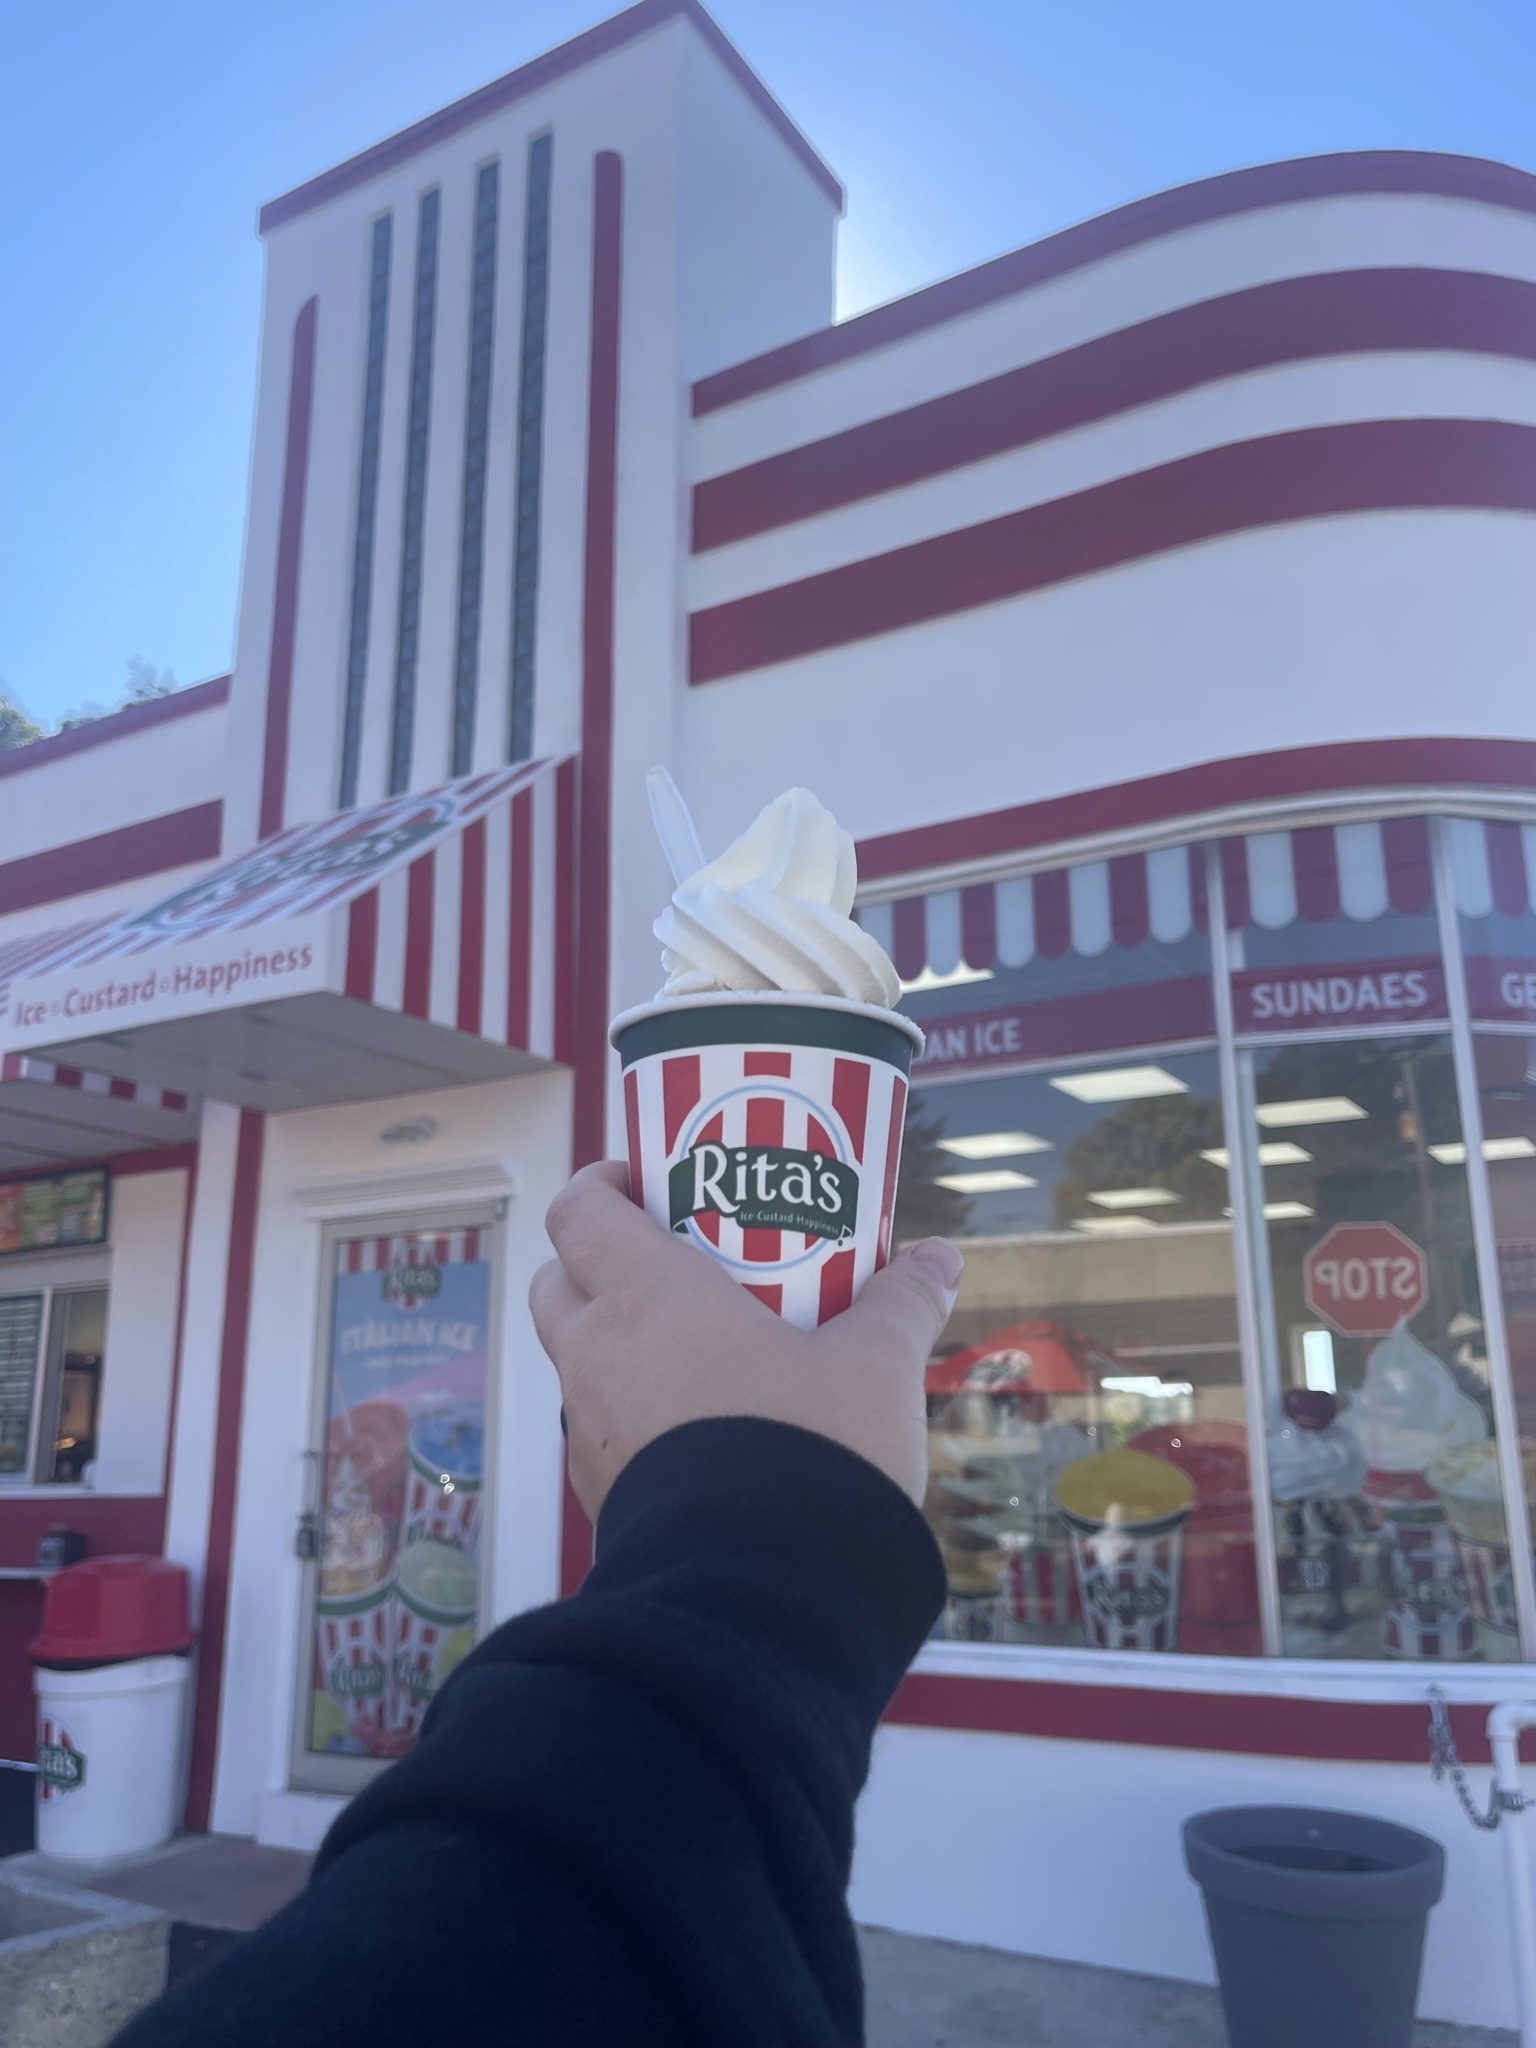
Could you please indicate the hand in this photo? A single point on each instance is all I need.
(647, 1332)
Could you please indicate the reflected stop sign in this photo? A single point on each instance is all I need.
(1365, 1278)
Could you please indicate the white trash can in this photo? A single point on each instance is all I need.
(109, 1756)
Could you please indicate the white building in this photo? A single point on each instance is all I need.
(1155, 605)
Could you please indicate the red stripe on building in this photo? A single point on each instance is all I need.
(1410, 883)
(1053, 914)
(233, 1348)
(909, 937)
(632, 1132)
(108, 858)
(1234, 882)
(1312, 473)
(1199, 901)
(420, 887)
(765, 1126)
(520, 924)
(285, 598)
(1293, 319)
(126, 1091)
(978, 925)
(836, 1286)
(471, 925)
(681, 1087)
(1315, 866)
(892, 1159)
(1129, 911)
(565, 908)
(362, 946)
(850, 1098)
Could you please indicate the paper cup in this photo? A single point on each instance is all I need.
(1490, 1583)
(1431, 1614)
(443, 1490)
(766, 1129)
(352, 1657)
(432, 1627)
(1126, 1511)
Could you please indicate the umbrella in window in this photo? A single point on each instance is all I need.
(1034, 1357)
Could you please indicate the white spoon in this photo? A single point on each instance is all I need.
(674, 825)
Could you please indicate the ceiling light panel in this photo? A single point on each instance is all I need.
(1134, 1198)
(1311, 1109)
(994, 1180)
(1279, 1153)
(996, 1144)
(1119, 1084)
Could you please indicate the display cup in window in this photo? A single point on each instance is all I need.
(443, 1491)
(353, 1648)
(1219, 1597)
(1332, 1554)
(1471, 1495)
(433, 1628)
(1127, 1514)
(365, 1475)
(765, 1128)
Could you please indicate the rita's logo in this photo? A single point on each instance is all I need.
(808, 1192)
(410, 1282)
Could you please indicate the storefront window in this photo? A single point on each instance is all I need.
(1089, 1475)
(1493, 869)
(397, 1597)
(52, 1347)
(1383, 1465)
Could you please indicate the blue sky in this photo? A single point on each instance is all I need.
(137, 143)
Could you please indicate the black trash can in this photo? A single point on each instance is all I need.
(1317, 1922)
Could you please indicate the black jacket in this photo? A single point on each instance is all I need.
(630, 1815)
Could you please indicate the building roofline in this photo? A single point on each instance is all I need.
(1341, 174)
(532, 77)
(115, 725)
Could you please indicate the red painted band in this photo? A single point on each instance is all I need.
(420, 924)
(362, 946)
(116, 725)
(1346, 312)
(520, 924)
(531, 78)
(233, 1348)
(1365, 1731)
(1365, 172)
(285, 598)
(567, 907)
(1378, 765)
(471, 926)
(150, 847)
(1313, 473)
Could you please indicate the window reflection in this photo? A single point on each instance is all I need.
(1389, 1521)
(1089, 1479)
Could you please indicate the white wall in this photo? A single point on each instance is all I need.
(165, 767)
(524, 1122)
(148, 1213)
(1072, 1849)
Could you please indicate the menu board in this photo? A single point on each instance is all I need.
(59, 1209)
(21, 1327)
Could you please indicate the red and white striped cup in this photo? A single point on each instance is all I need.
(766, 1129)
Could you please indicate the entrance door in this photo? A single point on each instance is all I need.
(394, 1592)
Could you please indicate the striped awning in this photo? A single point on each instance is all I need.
(424, 940)
(50, 1113)
(1312, 874)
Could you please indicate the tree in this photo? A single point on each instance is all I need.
(16, 728)
(1150, 1144)
(145, 681)
(923, 1208)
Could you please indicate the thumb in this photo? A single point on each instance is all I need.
(903, 1308)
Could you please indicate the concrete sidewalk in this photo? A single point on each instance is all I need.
(942, 1994)
(921, 1994)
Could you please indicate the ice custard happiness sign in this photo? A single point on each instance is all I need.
(773, 1152)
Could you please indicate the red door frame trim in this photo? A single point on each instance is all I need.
(589, 1021)
(290, 543)
(233, 1348)
(1274, 479)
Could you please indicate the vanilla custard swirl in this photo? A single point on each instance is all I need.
(773, 913)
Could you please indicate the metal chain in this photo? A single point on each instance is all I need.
(1445, 1762)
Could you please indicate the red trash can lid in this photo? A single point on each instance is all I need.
(106, 1610)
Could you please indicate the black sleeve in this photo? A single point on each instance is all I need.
(630, 1815)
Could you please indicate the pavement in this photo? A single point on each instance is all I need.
(921, 1993)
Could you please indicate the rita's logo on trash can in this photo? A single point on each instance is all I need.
(60, 1766)
(765, 1187)
(1145, 1601)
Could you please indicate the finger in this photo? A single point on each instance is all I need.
(597, 1230)
(557, 1304)
(903, 1309)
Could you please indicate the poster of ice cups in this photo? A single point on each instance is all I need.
(398, 1590)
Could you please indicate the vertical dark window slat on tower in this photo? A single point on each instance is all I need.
(530, 447)
(408, 635)
(367, 509)
(477, 412)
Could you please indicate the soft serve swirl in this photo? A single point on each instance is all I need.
(773, 913)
